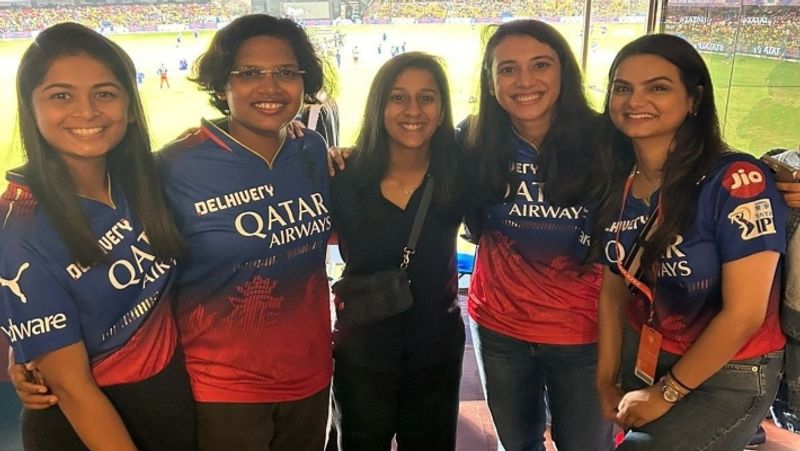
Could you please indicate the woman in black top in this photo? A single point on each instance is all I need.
(400, 376)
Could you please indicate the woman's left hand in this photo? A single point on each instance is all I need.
(639, 407)
(337, 157)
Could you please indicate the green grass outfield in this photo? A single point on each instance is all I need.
(758, 99)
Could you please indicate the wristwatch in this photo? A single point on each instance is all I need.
(670, 394)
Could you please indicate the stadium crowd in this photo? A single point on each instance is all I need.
(761, 26)
(385, 9)
(21, 20)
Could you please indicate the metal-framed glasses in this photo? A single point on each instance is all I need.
(283, 73)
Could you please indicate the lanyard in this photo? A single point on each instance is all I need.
(636, 249)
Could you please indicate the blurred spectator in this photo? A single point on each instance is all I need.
(112, 17)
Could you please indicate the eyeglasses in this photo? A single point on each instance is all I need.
(284, 74)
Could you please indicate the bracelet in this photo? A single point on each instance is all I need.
(677, 381)
(674, 385)
(670, 391)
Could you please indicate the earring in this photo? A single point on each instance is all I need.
(693, 113)
(491, 92)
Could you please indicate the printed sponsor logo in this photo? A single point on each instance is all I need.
(33, 327)
(286, 221)
(141, 268)
(710, 47)
(744, 180)
(13, 284)
(615, 253)
(674, 262)
(234, 199)
(754, 219)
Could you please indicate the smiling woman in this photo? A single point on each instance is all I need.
(399, 376)
(261, 105)
(533, 293)
(702, 286)
(83, 110)
(253, 204)
(413, 111)
(88, 197)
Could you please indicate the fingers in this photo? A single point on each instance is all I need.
(626, 420)
(788, 186)
(32, 398)
(19, 375)
(336, 160)
(625, 417)
(347, 151)
(331, 163)
(790, 192)
(295, 129)
(610, 414)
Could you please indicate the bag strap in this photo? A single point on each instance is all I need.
(313, 117)
(422, 211)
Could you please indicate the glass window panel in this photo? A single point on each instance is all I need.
(614, 23)
(753, 52)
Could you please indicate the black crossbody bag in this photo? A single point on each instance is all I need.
(367, 298)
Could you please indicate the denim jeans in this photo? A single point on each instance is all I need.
(515, 375)
(722, 414)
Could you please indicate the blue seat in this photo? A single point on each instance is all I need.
(465, 262)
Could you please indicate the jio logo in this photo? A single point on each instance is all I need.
(741, 178)
(744, 180)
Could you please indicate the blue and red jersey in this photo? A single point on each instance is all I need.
(253, 307)
(530, 282)
(120, 307)
(739, 213)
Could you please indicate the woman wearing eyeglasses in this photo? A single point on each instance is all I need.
(252, 205)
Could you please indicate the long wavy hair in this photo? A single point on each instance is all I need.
(696, 147)
(130, 163)
(566, 152)
(372, 145)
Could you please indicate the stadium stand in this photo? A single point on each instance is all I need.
(769, 31)
(21, 21)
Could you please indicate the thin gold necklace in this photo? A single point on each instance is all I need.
(405, 191)
(648, 184)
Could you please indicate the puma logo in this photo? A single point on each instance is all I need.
(13, 284)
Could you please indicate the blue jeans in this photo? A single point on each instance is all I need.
(515, 375)
(722, 414)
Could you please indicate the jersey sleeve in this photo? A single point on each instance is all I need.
(37, 313)
(750, 215)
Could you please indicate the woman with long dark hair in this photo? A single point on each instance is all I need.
(399, 377)
(691, 236)
(88, 255)
(252, 205)
(533, 299)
